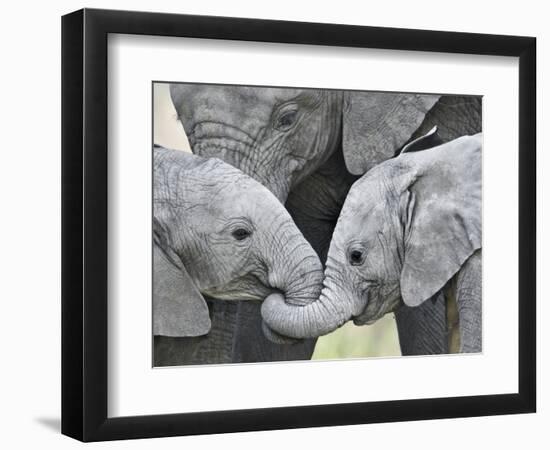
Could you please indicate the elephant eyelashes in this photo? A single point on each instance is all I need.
(356, 257)
(241, 234)
(286, 120)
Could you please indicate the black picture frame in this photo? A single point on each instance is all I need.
(84, 224)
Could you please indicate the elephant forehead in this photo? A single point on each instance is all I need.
(231, 95)
(366, 197)
(219, 99)
(231, 104)
(246, 195)
(363, 215)
(213, 188)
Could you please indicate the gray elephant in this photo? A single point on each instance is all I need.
(409, 229)
(308, 147)
(218, 234)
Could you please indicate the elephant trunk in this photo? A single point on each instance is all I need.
(301, 320)
(298, 272)
(295, 272)
(211, 139)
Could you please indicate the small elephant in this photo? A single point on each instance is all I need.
(308, 146)
(219, 233)
(409, 229)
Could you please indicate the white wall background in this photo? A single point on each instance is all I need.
(30, 229)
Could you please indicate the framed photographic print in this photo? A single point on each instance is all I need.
(276, 224)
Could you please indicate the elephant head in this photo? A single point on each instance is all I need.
(279, 136)
(217, 232)
(405, 230)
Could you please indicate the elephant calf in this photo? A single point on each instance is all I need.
(409, 230)
(219, 233)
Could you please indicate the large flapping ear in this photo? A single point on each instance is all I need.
(376, 125)
(179, 308)
(443, 226)
(429, 140)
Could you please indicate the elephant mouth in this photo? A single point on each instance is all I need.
(246, 288)
(377, 304)
(372, 309)
(367, 319)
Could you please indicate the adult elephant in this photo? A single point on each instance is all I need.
(308, 146)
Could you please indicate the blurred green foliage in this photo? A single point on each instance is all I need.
(350, 341)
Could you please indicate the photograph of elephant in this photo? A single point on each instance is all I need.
(313, 224)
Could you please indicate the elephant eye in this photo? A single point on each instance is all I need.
(241, 234)
(286, 120)
(356, 257)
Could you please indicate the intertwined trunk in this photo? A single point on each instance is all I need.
(295, 268)
(300, 320)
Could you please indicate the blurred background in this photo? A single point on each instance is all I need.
(349, 341)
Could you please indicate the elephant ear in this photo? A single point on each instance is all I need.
(179, 308)
(377, 124)
(429, 140)
(442, 219)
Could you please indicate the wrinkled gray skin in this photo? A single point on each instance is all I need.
(221, 234)
(308, 147)
(409, 229)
